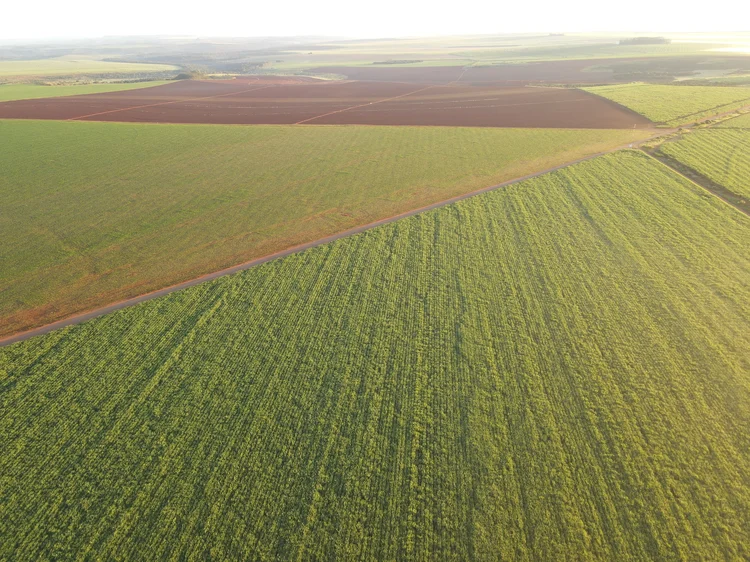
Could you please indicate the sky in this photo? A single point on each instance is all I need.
(345, 18)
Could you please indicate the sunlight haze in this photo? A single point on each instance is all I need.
(86, 18)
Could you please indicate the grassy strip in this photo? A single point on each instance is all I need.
(741, 122)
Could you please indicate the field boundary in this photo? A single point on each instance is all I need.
(613, 103)
(727, 196)
(84, 316)
(686, 124)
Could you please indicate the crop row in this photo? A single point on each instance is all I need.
(722, 155)
(120, 209)
(553, 371)
(675, 105)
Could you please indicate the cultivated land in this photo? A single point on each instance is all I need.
(12, 92)
(271, 100)
(741, 122)
(70, 66)
(675, 105)
(723, 156)
(558, 72)
(117, 210)
(490, 50)
(553, 371)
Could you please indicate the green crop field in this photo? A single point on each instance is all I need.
(558, 370)
(70, 66)
(10, 92)
(675, 105)
(116, 210)
(723, 156)
(741, 122)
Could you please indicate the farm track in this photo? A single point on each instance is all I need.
(717, 190)
(83, 317)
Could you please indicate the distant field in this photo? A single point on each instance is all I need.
(70, 65)
(723, 156)
(675, 105)
(95, 212)
(741, 122)
(10, 92)
(553, 371)
(593, 50)
(461, 51)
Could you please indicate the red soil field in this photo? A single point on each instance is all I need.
(290, 100)
(494, 107)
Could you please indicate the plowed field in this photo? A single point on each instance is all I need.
(289, 100)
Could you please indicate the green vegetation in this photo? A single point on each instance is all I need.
(491, 49)
(675, 105)
(71, 65)
(723, 156)
(119, 209)
(553, 371)
(741, 122)
(570, 49)
(9, 92)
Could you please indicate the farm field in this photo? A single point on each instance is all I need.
(553, 371)
(599, 49)
(71, 65)
(269, 100)
(488, 50)
(13, 92)
(160, 204)
(675, 105)
(721, 155)
(511, 74)
(741, 122)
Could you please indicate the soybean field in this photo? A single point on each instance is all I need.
(723, 156)
(675, 105)
(117, 210)
(559, 370)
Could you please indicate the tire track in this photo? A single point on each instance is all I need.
(364, 105)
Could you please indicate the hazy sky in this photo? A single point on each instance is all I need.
(378, 18)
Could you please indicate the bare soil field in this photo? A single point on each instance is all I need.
(290, 100)
(473, 106)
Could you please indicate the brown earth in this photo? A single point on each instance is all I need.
(493, 107)
(290, 100)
